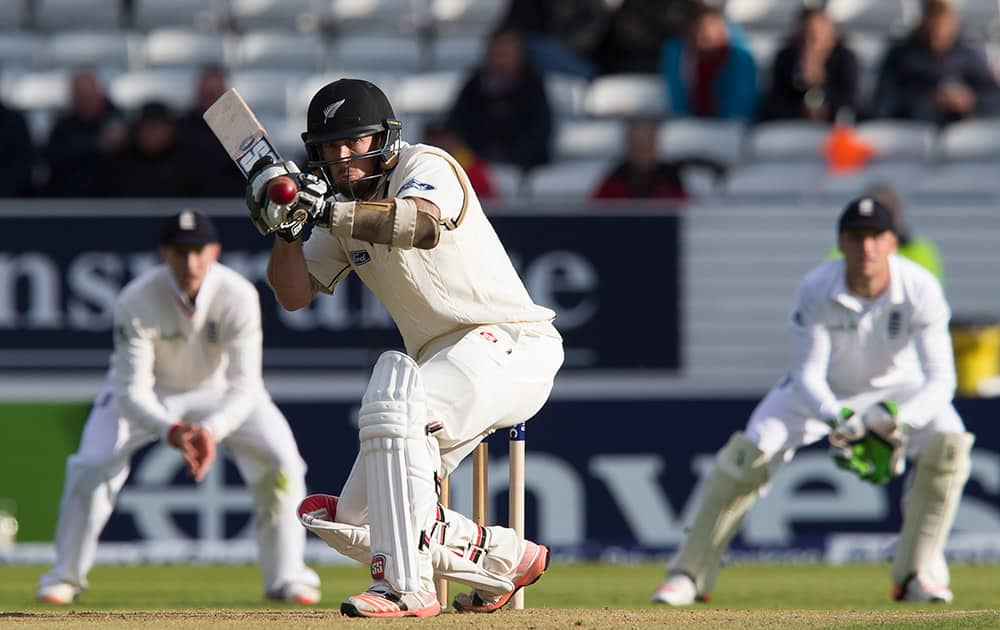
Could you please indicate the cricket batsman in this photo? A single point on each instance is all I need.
(873, 370)
(480, 354)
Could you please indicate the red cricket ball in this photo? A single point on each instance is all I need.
(282, 190)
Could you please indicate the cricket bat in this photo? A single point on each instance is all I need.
(239, 132)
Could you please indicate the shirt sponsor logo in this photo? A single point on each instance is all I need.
(378, 567)
(488, 336)
(360, 257)
(895, 324)
(416, 184)
(212, 332)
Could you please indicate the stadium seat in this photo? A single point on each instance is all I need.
(278, 50)
(90, 48)
(202, 15)
(760, 14)
(898, 139)
(266, 90)
(700, 181)
(786, 140)
(508, 180)
(13, 14)
(375, 17)
(959, 178)
(54, 15)
(428, 92)
(772, 179)
(972, 139)
(288, 15)
(300, 95)
(764, 45)
(589, 138)
(468, 17)
(172, 86)
(575, 179)
(183, 48)
(885, 17)
(901, 176)
(286, 135)
(388, 53)
(626, 95)
(870, 49)
(457, 53)
(691, 138)
(980, 18)
(40, 123)
(48, 89)
(20, 50)
(565, 93)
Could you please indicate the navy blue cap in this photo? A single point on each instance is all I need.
(866, 213)
(188, 227)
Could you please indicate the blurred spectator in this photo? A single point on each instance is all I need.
(815, 74)
(83, 139)
(708, 73)
(642, 175)
(478, 170)
(933, 75)
(18, 156)
(502, 111)
(214, 173)
(922, 251)
(637, 32)
(562, 36)
(151, 165)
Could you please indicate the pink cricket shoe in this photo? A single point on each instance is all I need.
(534, 562)
(379, 602)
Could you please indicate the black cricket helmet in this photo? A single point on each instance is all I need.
(346, 109)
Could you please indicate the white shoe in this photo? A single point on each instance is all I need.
(380, 601)
(60, 593)
(914, 590)
(296, 593)
(678, 590)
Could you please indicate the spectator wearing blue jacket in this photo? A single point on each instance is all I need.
(709, 73)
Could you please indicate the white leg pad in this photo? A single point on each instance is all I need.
(400, 461)
(929, 508)
(741, 469)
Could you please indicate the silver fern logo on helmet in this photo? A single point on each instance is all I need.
(331, 109)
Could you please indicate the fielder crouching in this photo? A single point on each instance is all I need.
(480, 355)
(873, 368)
(186, 369)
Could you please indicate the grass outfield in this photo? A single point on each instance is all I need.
(577, 595)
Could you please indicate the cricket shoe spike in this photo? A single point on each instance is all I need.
(534, 562)
(914, 590)
(60, 594)
(296, 593)
(677, 590)
(381, 601)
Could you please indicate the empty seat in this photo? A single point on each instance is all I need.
(700, 181)
(972, 139)
(289, 15)
(428, 93)
(89, 48)
(507, 179)
(48, 89)
(266, 90)
(774, 179)
(172, 86)
(720, 141)
(181, 48)
(301, 94)
(764, 45)
(565, 93)
(787, 140)
(13, 14)
(576, 179)
(901, 176)
(757, 14)
(389, 53)
(23, 50)
(53, 15)
(376, 16)
(456, 53)
(277, 49)
(40, 123)
(882, 16)
(898, 139)
(149, 15)
(468, 17)
(626, 95)
(959, 178)
(585, 138)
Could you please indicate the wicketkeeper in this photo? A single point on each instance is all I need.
(873, 369)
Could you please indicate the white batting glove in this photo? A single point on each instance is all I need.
(285, 220)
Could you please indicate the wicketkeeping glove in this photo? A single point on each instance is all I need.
(873, 446)
(287, 221)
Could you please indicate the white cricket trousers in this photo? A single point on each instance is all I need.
(265, 453)
(476, 381)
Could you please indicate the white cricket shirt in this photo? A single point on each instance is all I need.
(466, 280)
(163, 341)
(843, 347)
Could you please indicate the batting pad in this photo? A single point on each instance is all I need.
(400, 460)
(929, 508)
(740, 470)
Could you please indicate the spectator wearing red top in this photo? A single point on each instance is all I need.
(642, 175)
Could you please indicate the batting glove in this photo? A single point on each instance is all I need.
(287, 221)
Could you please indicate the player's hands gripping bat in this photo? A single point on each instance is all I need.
(281, 199)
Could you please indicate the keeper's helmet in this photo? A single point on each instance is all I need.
(351, 108)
